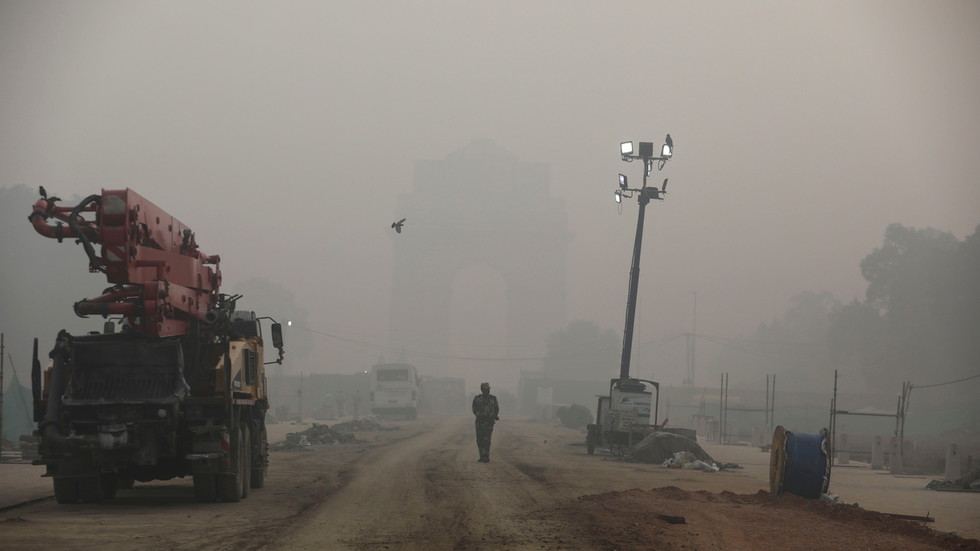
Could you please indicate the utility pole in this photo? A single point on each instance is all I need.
(299, 394)
(644, 195)
(691, 339)
(2, 351)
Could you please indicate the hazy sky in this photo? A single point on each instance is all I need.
(282, 133)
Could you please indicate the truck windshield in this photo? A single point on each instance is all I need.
(392, 375)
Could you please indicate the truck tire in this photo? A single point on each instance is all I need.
(261, 449)
(229, 485)
(110, 483)
(246, 445)
(90, 489)
(204, 488)
(66, 490)
(125, 481)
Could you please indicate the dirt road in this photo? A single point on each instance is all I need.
(420, 487)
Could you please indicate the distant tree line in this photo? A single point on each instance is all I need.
(920, 320)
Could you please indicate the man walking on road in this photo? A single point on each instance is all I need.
(486, 409)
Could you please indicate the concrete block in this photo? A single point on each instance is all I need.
(895, 457)
(952, 462)
(877, 453)
(843, 447)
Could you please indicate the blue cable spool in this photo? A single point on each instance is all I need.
(799, 463)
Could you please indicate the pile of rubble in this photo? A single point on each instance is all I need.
(688, 461)
(361, 425)
(317, 434)
(341, 433)
(662, 448)
(966, 483)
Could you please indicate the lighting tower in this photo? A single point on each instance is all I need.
(644, 195)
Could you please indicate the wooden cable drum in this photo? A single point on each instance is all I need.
(799, 463)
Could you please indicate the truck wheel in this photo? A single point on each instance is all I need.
(261, 445)
(125, 481)
(66, 490)
(246, 445)
(110, 483)
(230, 485)
(204, 489)
(90, 489)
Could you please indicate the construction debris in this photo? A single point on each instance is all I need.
(361, 425)
(917, 518)
(317, 434)
(341, 433)
(659, 447)
(687, 460)
(967, 483)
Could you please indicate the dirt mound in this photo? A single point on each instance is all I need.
(672, 518)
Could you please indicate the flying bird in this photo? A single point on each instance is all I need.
(398, 225)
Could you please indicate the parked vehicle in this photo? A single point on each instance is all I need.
(394, 391)
(181, 390)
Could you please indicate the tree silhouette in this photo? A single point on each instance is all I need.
(921, 317)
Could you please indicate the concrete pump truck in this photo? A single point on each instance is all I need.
(180, 390)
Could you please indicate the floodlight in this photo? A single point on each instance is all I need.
(626, 148)
(668, 149)
(663, 187)
(622, 181)
(646, 149)
(619, 196)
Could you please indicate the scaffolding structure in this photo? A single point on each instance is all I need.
(899, 416)
(769, 409)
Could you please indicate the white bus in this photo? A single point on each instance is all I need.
(394, 391)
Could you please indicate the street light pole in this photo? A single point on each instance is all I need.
(644, 195)
(624, 367)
